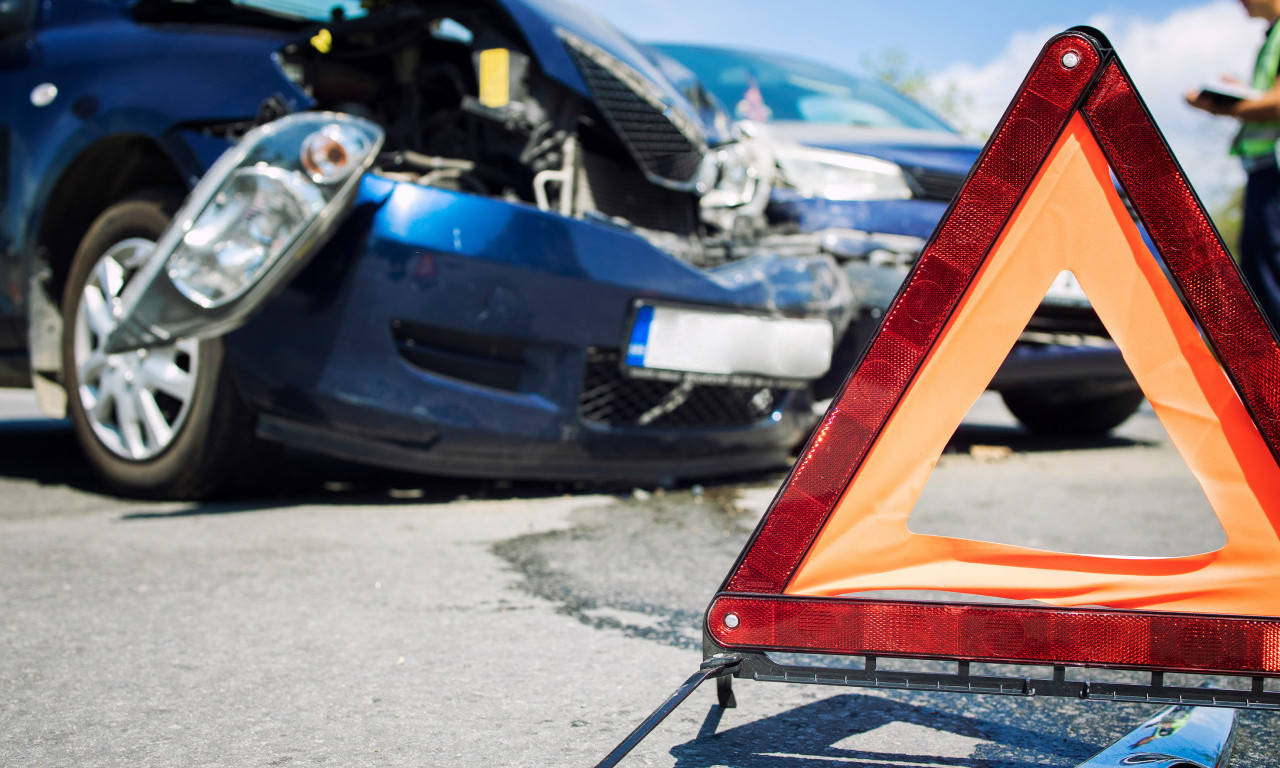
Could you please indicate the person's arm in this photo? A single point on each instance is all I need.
(1264, 109)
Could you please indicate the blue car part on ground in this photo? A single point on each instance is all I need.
(542, 180)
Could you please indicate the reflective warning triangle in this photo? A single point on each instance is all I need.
(1041, 199)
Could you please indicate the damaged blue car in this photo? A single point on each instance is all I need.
(488, 239)
(871, 172)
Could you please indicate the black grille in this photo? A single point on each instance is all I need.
(621, 190)
(934, 185)
(656, 144)
(614, 400)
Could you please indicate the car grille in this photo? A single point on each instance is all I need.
(618, 189)
(612, 399)
(661, 148)
(934, 185)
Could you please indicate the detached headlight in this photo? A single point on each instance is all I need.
(247, 226)
(253, 220)
(735, 181)
(842, 175)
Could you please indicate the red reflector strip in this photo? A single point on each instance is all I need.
(997, 633)
(941, 275)
(1186, 240)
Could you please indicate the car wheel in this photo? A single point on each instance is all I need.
(162, 422)
(1068, 412)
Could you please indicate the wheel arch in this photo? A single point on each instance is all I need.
(104, 172)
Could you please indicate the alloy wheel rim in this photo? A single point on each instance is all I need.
(137, 401)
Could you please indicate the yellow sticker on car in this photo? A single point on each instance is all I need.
(322, 41)
(495, 77)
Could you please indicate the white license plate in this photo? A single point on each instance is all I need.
(1066, 290)
(724, 344)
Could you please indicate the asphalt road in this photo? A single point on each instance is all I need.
(355, 617)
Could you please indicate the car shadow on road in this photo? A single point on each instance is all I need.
(828, 731)
(45, 451)
(1019, 440)
(306, 479)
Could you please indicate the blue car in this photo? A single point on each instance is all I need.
(491, 239)
(871, 173)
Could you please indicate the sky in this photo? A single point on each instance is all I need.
(985, 48)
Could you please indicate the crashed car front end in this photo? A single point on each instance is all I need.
(555, 264)
(495, 344)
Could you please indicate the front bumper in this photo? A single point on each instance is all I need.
(444, 332)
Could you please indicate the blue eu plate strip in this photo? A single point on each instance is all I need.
(639, 342)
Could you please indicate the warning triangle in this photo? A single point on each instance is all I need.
(1040, 200)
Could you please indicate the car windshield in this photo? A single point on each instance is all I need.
(766, 87)
(316, 10)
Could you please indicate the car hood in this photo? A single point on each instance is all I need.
(911, 147)
(542, 21)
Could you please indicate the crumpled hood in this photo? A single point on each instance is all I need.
(539, 20)
(932, 150)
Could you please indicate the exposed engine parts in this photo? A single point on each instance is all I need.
(465, 107)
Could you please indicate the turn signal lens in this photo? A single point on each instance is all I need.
(329, 154)
(253, 219)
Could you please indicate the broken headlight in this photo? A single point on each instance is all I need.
(253, 220)
(247, 226)
(841, 175)
(735, 182)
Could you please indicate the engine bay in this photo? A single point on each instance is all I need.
(467, 107)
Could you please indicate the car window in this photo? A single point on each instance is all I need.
(317, 10)
(767, 87)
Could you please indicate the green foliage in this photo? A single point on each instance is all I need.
(893, 66)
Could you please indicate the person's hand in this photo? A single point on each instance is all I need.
(1196, 98)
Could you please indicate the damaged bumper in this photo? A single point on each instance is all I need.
(446, 332)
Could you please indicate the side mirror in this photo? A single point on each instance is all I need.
(17, 16)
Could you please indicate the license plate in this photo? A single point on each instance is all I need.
(679, 342)
(1066, 290)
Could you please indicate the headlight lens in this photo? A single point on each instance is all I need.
(288, 176)
(736, 174)
(842, 175)
(735, 181)
(248, 225)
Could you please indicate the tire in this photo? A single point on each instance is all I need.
(165, 422)
(1071, 413)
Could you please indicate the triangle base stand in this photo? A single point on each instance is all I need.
(1061, 682)
(1210, 709)
(720, 667)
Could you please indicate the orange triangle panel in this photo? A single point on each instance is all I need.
(1040, 200)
